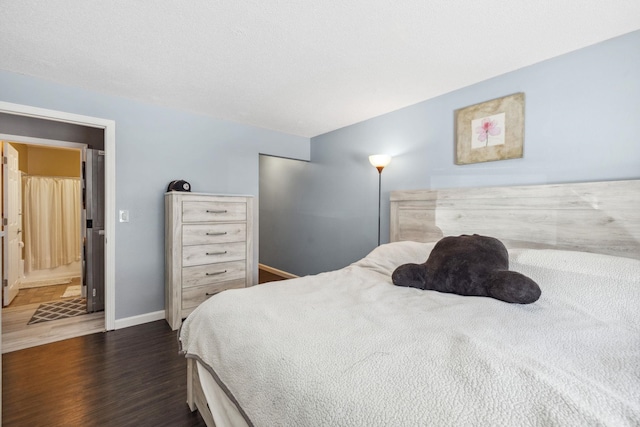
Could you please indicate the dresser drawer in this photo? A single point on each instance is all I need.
(198, 234)
(210, 254)
(192, 297)
(207, 211)
(213, 273)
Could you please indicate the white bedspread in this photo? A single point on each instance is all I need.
(347, 348)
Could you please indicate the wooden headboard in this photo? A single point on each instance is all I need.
(599, 217)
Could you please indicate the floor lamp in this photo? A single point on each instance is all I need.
(379, 161)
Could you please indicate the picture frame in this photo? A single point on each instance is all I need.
(490, 131)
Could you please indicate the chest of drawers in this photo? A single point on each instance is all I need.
(208, 248)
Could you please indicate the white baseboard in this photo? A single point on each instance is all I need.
(139, 320)
(159, 315)
(39, 283)
(276, 271)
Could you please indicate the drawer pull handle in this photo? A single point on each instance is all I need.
(215, 273)
(212, 293)
(216, 211)
(219, 233)
(216, 253)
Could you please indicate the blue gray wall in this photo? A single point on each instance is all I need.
(582, 124)
(155, 145)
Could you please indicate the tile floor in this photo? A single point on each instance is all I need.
(41, 294)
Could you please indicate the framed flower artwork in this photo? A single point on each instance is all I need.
(489, 131)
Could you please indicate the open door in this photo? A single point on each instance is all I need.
(94, 242)
(12, 223)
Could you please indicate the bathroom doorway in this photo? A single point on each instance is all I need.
(57, 229)
(44, 206)
(34, 122)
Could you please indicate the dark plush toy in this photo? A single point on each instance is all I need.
(469, 265)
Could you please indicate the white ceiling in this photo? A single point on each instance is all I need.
(298, 66)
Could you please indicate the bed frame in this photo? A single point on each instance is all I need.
(599, 217)
(195, 395)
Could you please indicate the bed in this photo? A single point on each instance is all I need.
(347, 348)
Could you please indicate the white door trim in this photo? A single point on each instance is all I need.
(109, 127)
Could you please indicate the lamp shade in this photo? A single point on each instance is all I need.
(380, 160)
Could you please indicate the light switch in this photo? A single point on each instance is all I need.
(124, 216)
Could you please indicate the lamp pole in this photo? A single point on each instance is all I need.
(379, 197)
(379, 161)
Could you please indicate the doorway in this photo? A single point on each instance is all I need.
(53, 260)
(25, 116)
(43, 205)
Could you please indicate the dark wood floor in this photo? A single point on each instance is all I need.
(128, 377)
(266, 276)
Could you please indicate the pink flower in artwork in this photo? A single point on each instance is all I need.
(487, 128)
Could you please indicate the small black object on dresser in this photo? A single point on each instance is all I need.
(179, 185)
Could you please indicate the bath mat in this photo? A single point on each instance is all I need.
(72, 291)
(59, 310)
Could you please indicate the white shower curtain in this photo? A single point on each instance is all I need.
(52, 215)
